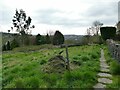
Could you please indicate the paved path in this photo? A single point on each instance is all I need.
(104, 77)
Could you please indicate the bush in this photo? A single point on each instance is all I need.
(115, 68)
(4, 47)
(14, 44)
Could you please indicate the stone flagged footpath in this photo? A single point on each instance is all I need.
(104, 76)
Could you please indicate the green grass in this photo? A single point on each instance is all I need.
(114, 69)
(24, 69)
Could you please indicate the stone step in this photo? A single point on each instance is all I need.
(104, 80)
(104, 66)
(104, 63)
(103, 69)
(104, 75)
(102, 60)
(99, 85)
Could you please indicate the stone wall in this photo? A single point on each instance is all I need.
(114, 49)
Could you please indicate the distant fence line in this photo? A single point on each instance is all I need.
(70, 45)
(114, 49)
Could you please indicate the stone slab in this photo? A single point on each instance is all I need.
(104, 75)
(104, 66)
(104, 80)
(99, 85)
(103, 69)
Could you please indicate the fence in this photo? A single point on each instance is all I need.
(114, 49)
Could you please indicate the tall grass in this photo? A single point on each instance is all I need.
(114, 69)
(24, 69)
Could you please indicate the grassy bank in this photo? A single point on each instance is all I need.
(114, 69)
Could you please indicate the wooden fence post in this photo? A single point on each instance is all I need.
(67, 57)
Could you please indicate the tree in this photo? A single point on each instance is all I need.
(96, 26)
(21, 22)
(50, 32)
(43, 40)
(48, 41)
(108, 32)
(38, 39)
(58, 38)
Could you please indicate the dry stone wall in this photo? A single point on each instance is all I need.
(114, 49)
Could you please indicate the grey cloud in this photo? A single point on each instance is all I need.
(106, 12)
(6, 16)
(49, 17)
(103, 9)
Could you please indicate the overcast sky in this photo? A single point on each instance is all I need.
(67, 16)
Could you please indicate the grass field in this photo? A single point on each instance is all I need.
(24, 69)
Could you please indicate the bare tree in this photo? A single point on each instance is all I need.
(96, 26)
(88, 34)
(50, 32)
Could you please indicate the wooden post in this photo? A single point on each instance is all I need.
(67, 57)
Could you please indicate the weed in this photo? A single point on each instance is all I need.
(115, 84)
(34, 82)
(94, 55)
(76, 57)
(19, 83)
(43, 62)
(85, 57)
(16, 69)
(115, 68)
